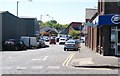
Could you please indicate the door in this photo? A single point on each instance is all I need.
(118, 42)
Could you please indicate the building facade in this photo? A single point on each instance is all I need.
(106, 24)
(13, 27)
(31, 26)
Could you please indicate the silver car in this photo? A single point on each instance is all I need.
(72, 45)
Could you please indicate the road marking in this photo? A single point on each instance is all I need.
(21, 68)
(6, 68)
(45, 58)
(65, 63)
(70, 59)
(53, 67)
(10, 57)
(37, 67)
(41, 58)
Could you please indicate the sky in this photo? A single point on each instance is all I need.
(63, 11)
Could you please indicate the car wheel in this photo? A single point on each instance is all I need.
(77, 49)
(64, 49)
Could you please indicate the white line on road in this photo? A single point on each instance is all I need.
(41, 58)
(21, 68)
(6, 68)
(45, 58)
(37, 67)
(66, 62)
(10, 57)
(53, 67)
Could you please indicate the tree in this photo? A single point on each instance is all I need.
(53, 24)
(74, 34)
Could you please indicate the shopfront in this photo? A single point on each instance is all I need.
(115, 39)
(112, 21)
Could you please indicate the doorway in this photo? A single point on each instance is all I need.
(115, 39)
(118, 41)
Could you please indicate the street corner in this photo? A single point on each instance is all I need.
(82, 62)
(89, 63)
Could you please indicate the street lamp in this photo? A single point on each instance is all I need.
(44, 15)
(18, 3)
(17, 7)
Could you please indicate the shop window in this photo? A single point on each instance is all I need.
(118, 36)
(118, 26)
(113, 39)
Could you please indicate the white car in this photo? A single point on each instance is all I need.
(62, 40)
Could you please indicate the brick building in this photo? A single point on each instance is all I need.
(104, 34)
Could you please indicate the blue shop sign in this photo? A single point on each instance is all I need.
(109, 19)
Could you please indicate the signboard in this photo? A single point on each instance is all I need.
(109, 19)
(115, 19)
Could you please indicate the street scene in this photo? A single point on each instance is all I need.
(54, 60)
(50, 38)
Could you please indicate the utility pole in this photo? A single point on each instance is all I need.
(17, 7)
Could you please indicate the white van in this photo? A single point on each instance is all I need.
(30, 42)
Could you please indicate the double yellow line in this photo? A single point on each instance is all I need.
(66, 62)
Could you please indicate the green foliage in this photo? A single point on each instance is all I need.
(74, 34)
(53, 24)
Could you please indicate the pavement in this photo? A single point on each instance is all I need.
(90, 59)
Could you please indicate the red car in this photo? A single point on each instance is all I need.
(52, 41)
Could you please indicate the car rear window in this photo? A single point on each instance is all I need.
(62, 39)
(70, 42)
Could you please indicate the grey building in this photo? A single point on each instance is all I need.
(13, 27)
(31, 26)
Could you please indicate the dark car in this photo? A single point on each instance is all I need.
(41, 43)
(72, 45)
(12, 44)
(52, 41)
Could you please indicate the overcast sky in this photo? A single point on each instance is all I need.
(63, 11)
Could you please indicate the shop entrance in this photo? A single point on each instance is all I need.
(115, 39)
(118, 41)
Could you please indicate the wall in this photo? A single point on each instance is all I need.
(9, 26)
(0, 31)
(111, 8)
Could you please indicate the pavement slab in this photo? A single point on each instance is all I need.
(90, 59)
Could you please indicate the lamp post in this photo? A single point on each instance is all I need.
(42, 16)
(17, 7)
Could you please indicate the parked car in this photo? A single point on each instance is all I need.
(41, 43)
(62, 40)
(72, 45)
(82, 39)
(12, 44)
(52, 41)
(46, 38)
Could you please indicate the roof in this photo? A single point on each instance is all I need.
(3, 11)
(26, 17)
(90, 12)
(76, 23)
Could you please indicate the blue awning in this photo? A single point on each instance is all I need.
(109, 19)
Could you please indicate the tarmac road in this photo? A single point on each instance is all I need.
(51, 60)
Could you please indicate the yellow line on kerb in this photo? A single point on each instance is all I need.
(66, 62)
